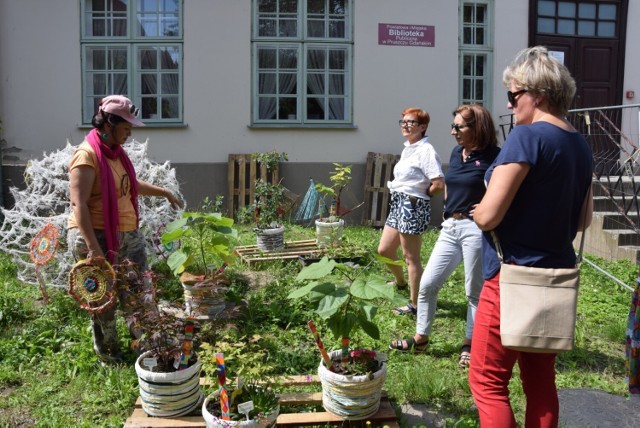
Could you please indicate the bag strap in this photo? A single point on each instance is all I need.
(578, 258)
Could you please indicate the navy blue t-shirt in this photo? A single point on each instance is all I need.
(465, 179)
(542, 221)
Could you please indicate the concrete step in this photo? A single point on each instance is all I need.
(614, 243)
(611, 204)
(616, 186)
(615, 220)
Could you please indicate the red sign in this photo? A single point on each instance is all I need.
(407, 35)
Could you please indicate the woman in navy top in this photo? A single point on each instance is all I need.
(538, 197)
(460, 239)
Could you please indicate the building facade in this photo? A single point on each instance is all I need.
(322, 80)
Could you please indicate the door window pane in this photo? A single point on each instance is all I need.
(587, 10)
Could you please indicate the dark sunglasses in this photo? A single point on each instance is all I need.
(511, 96)
(458, 127)
(134, 110)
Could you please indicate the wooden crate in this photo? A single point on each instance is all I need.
(386, 415)
(243, 171)
(250, 254)
(376, 194)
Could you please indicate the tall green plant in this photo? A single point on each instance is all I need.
(204, 238)
(340, 178)
(344, 295)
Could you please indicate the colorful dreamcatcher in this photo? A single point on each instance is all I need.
(43, 246)
(93, 286)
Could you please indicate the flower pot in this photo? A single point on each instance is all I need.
(204, 296)
(270, 239)
(169, 394)
(352, 397)
(215, 422)
(329, 234)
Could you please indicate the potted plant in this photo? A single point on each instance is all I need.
(345, 298)
(207, 240)
(251, 398)
(329, 225)
(269, 206)
(168, 369)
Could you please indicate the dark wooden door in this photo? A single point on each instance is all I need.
(591, 34)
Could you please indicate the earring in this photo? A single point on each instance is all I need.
(105, 136)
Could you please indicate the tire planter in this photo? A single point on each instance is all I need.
(215, 422)
(169, 394)
(329, 234)
(270, 239)
(352, 397)
(204, 302)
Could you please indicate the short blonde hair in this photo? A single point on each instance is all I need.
(537, 72)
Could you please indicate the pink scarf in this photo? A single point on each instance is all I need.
(108, 189)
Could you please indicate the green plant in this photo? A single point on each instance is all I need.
(345, 297)
(246, 364)
(340, 179)
(270, 160)
(269, 205)
(205, 238)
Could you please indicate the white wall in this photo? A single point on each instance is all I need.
(41, 91)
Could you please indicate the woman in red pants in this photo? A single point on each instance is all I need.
(538, 197)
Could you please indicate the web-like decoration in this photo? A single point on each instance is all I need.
(46, 200)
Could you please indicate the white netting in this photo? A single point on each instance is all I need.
(46, 200)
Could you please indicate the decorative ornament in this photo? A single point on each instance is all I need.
(93, 287)
(43, 246)
(187, 343)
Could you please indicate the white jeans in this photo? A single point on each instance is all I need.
(459, 240)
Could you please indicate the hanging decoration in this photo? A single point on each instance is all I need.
(42, 248)
(93, 286)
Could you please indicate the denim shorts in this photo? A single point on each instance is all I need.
(408, 214)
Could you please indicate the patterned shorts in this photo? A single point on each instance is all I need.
(408, 214)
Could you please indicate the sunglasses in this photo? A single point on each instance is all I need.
(458, 127)
(511, 96)
(408, 122)
(133, 110)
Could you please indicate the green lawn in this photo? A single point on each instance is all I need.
(50, 377)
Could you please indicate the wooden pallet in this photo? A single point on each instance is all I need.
(243, 171)
(386, 415)
(376, 194)
(293, 250)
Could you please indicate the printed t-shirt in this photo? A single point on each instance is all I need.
(85, 156)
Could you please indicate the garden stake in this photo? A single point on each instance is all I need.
(345, 350)
(187, 343)
(224, 396)
(323, 351)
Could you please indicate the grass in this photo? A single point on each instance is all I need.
(50, 377)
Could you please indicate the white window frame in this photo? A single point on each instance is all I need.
(473, 51)
(132, 43)
(302, 43)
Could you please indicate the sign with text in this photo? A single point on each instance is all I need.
(407, 35)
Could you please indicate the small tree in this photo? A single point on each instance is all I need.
(340, 178)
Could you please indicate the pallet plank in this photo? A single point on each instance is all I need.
(379, 171)
(386, 414)
(250, 254)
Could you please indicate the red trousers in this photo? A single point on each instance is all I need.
(492, 365)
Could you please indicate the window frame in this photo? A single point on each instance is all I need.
(134, 70)
(302, 42)
(484, 50)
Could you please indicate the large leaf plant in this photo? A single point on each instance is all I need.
(345, 296)
(205, 238)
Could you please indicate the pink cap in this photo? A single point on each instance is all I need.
(120, 106)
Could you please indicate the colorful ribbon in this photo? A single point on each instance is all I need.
(345, 350)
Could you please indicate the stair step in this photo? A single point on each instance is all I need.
(626, 237)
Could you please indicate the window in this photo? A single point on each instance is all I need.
(577, 18)
(302, 56)
(476, 51)
(133, 48)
